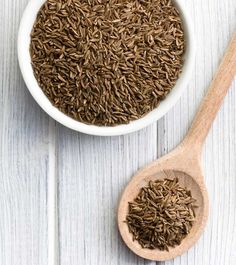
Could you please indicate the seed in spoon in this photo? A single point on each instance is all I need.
(162, 214)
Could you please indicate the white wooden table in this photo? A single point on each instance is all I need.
(92, 171)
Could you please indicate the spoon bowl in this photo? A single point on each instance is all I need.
(191, 178)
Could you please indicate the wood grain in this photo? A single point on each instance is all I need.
(93, 171)
(90, 185)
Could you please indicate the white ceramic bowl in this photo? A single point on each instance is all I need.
(26, 25)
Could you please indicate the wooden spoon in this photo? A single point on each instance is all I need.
(183, 162)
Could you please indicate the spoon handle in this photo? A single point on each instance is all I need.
(213, 100)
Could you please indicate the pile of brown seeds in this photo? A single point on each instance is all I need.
(107, 62)
(162, 214)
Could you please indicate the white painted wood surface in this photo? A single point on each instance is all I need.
(93, 171)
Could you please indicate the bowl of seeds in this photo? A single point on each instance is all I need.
(106, 67)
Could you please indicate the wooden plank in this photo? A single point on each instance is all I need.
(23, 155)
(93, 172)
(215, 22)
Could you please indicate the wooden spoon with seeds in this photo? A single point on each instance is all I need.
(184, 162)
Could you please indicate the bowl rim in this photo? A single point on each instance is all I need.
(24, 59)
